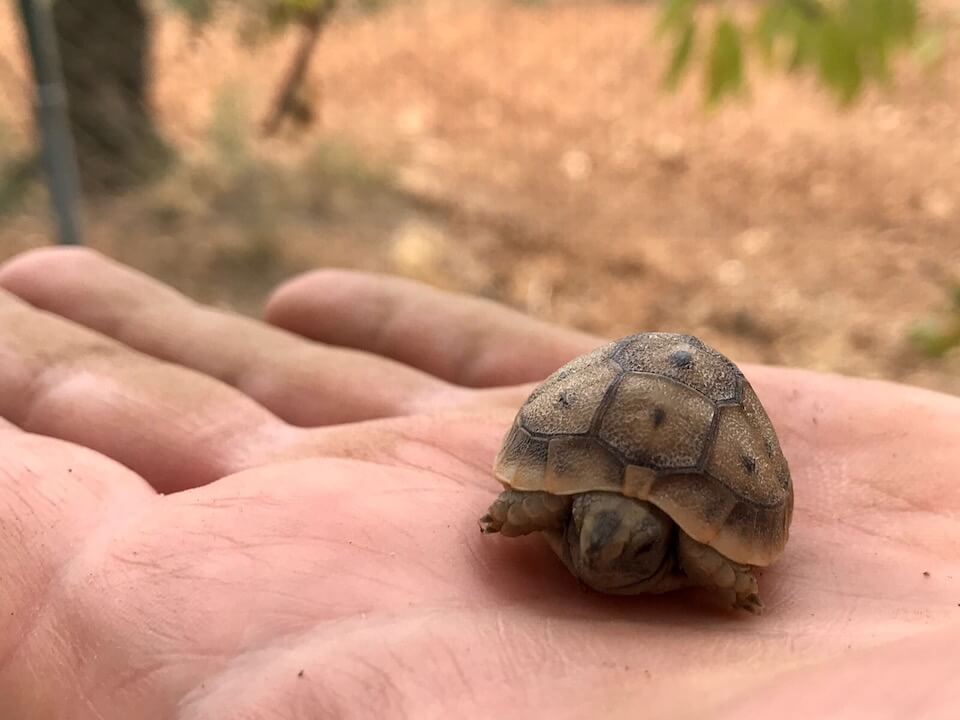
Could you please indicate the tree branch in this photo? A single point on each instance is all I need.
(286, 100)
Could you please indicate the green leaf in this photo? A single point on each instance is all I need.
(795, 23)
(934, 342)
(930, 47)
(865, 22)
(810, 10)
(846, 43)
(197, 11)
(955, 297)
(680, 58)
(904, 20)
(772, 23)
(806, 40)
(936, 339)
(724, 74)
(839, 64)
(675, 15)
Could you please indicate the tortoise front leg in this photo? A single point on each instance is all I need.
(708, 568)
(515, 512)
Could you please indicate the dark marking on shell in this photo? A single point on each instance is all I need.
(659, 415)
(682, 359)
(749, 463)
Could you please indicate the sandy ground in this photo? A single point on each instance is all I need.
(527, 153)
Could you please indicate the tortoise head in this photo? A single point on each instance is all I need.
(618, 544)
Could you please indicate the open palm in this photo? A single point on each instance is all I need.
(204, 516)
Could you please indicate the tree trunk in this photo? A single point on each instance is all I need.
(103, 49)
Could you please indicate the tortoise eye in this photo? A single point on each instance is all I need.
(645, 548)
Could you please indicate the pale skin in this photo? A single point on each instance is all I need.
(200, 518)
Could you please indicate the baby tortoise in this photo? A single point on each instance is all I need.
(650, 465)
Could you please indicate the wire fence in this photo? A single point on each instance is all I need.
(52, 118)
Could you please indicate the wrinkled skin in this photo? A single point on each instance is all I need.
(195, 507)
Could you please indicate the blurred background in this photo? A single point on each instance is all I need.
(527, 151)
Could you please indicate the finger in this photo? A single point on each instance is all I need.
(464, 340)
(181, 429)
(302, 382)
(174, 426)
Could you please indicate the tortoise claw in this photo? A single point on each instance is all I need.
(751, 603)
(489, 525)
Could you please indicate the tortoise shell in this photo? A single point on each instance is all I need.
(664, 418)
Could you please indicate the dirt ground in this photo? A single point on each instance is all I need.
(527, 153)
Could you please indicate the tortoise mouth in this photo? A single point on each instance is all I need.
(661, 570)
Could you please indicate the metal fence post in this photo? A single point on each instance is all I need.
(51, 114)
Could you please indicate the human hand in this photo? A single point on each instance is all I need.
(202, 516)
